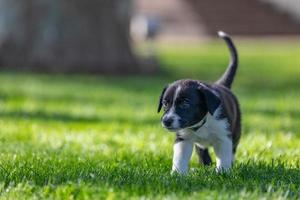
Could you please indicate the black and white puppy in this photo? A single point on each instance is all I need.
(203, 115)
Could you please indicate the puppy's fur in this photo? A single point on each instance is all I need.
(203, 115)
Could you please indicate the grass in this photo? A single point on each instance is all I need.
(96, 137)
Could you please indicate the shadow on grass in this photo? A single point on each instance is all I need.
(269, 112)
(149, 175)
(69, 118)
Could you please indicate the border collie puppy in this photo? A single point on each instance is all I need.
(203, 115)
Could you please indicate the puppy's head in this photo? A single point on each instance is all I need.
(185, 103)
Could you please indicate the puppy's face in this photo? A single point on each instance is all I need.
(185, 103)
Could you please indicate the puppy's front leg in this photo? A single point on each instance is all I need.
(181, 156)
(224, 156)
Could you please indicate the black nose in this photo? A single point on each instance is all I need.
(167, 121)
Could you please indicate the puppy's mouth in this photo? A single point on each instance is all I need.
(171, 128)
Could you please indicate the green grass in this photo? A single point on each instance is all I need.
(85, 137)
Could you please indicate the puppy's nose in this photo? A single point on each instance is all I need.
(167, 121)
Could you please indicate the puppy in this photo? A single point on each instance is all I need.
(203, 115)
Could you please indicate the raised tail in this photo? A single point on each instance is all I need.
(228, 76)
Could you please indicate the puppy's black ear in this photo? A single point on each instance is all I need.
(161, 98)
(212, 100)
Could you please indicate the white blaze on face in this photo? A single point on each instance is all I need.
(171, 113)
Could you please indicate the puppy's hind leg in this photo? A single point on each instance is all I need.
(203, 155)
(224, 155)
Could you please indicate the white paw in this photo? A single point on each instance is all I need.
(193, 170)
(177, 172)
(222, 169)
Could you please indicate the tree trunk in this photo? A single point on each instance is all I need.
(66, 35)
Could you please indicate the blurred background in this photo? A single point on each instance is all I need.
(102, 36)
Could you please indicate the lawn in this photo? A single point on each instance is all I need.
(97, 137)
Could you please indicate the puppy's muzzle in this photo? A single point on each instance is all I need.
(171, 122)
(167, 121)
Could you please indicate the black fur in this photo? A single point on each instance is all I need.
(196, 97)
(212, 100)
(229, 74)
(203, 155)
(161, 99)
(200, 96)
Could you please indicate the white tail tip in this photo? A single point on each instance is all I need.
(222, 34)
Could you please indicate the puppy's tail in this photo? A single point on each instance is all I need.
(228, 76)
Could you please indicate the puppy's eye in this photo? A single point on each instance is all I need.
(165, 104)
(185, 104)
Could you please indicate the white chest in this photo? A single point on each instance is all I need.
(213, 131)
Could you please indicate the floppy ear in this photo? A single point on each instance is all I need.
(161, 98)
(212, 100)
